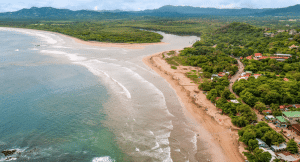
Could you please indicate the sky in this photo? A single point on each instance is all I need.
(137, 5)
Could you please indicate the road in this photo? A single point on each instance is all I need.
(236, 77)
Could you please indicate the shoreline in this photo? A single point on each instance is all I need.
(219, 126)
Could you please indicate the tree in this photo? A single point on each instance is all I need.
(240, 121)
(252, 144)
(292, 146)
(260, 106)
(258, 155)
(226, 94)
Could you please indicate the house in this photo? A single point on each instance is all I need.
(291, 116)
(282, 107)
(288, 158)
(261, 143)
(234, 101)
(285, 79)
(243, 77)
(281, 121)
(248, 72)
(295, 128)
(296, 106)
(257, 55)
(267, 111)
(256, 75)
(249, 57)
(213, 76)
(269, 117)
(281, 147)
(290, 39)
(293, 46)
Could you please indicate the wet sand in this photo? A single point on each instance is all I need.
(219, 126)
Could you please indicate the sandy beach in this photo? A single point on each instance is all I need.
(200, 109)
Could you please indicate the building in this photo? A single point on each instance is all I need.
(295, 128)
(296, 106)
(256, 75)
(288, 158)
(281, 147)
(282, 55)
(267, 111)
(234, 101)
(281, 121)
(291, 116)
(213, 76)
(257, 55)
(261, 143)
(293, 46)
(285, 79)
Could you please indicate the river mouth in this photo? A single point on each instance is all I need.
(116, 108)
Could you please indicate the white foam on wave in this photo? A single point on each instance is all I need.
(61, 47)
(153, 87)
(17, 50)
(98, 72)
(194, 141)
(103, 159)
(124, 88)
(142, 68)
(72, 57)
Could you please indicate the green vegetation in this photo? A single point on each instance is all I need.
(268, 90)
(173, 67)
(292, 146)
(262, 131)
(270, 67)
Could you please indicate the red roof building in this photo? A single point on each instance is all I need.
(281, 107)
(257, 55)
(249, 57)
(285, 79)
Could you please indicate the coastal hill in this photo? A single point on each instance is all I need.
(164, 11)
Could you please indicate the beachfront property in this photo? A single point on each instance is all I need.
(291, 116)
(280, 147)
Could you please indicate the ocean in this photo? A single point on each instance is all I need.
(65, 101)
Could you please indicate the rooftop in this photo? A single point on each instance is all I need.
(296, 126)
(281, 119)
(292, 114)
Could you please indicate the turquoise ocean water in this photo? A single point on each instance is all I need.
(49, 110)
